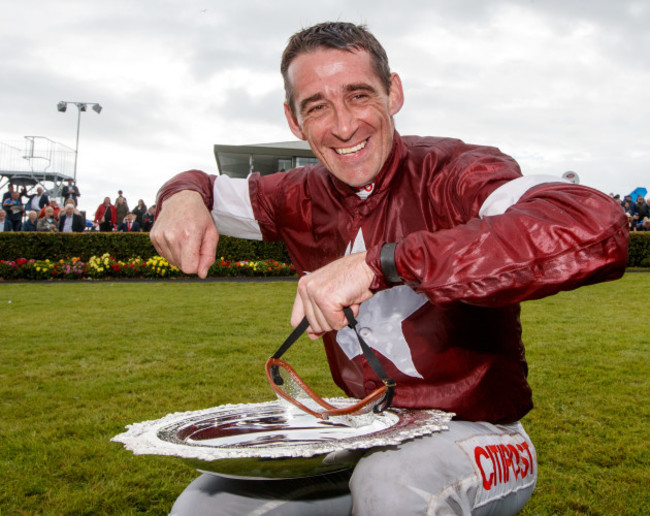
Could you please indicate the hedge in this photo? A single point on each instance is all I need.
(639, 250)
(122, 246)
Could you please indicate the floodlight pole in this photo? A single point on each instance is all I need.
(76, 146)
(81, 106)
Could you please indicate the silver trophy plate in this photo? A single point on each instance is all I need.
(274, 439)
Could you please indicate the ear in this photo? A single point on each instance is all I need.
(293, 123)
(395, 94)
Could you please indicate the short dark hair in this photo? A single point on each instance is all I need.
(334, 35)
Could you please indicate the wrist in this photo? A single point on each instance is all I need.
(387, 263)
(192, 180)
(381, 259)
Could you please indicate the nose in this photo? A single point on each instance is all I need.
(345, 123)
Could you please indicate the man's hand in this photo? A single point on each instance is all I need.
(324, 293)
(184, 233)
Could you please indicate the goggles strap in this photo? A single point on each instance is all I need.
(295, 334)
(374, 363)
(370, 356)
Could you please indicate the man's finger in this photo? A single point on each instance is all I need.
(208, 251)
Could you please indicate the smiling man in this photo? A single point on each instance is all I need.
(433, 243)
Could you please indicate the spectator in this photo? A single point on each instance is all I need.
(106, 215)
(38, 201)
(627, 208)
(70, 191)
(121, 208)
(14, 207)
(139, 212)
(10, 190)
(129, 225)
(119, 196)
(149, 218)
(31, 222)
(56, 209)
(640, 208)
(644, 225)
(48, 221)
(4, 223)
(7, 194)
(70, 221)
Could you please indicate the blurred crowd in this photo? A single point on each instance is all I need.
(37, 212)
(637, 211)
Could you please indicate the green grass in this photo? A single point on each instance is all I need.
(79, 361)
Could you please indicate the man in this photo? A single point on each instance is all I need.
(10, 191)
(70, 221)
(446, 238)
(39, 200)
(130, 224)
(106, 216)
(71, 191)
(14, 207)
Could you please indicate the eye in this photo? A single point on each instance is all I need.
(316, 108)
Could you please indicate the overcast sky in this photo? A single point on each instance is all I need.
(559, 84)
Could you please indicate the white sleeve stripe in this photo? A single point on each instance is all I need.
(232, 210)
(508, 194)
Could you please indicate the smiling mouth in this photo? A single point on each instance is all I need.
(351, 150)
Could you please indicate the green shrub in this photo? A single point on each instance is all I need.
(639, 250)
(121, 246)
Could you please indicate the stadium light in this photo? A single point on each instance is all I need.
(81, 106)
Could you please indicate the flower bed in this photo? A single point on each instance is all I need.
(105, 266)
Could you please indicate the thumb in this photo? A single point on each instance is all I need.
(297, 312)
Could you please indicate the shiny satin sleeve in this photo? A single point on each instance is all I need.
(195, 180)
(555, 236)
(227, 199)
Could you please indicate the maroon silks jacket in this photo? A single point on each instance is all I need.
(459, 348)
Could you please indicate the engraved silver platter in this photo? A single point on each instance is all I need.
(273, 439)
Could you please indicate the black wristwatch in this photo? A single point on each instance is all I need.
(387, 262)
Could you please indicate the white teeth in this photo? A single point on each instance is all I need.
(352, 150)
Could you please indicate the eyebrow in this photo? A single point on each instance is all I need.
(360, 87)
(309, 100)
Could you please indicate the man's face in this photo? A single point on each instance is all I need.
(39, 191)
(343, 111)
